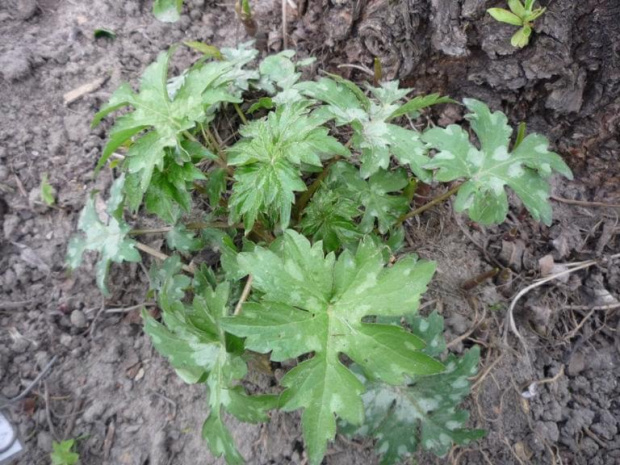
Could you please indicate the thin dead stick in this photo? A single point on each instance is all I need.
(191, 226)
(553, 379)
(364, 69)
(584, 203)
(540, 282)
(477, 322)
(284, 26)
(244, 295)
(15, 305)
(598, 307)
(31, 386)
(160, 255)
(486, 372)
(48, 415)
(77, 406)
(574, 332)
(428, 205)
(138, 232)
(131, 308)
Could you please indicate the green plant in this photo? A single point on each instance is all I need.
(62, 453)
(521, 15)
(48, 193)
(168, 11)
(308, 227)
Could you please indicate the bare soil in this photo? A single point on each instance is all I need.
(109, 387)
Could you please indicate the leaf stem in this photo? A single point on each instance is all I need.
(160, 255)
(192, 226)
(428, 205)
(240, 113)
(307, 195)
(520, 135)
(214, 146)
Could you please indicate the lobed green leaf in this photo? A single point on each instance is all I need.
(490, 168)
(269, 160)
(194, 342)
(314, 303)
(423, 412)
(106, 236)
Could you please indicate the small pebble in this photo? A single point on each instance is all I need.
(78, 319)
(66, 339)
(44, 441)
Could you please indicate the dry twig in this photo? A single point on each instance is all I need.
(244, 295)
(510, 315)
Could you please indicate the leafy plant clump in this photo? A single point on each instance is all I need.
(308, 226)
(521, 15)
(63, 454)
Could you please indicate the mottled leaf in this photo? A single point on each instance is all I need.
(486, 170)
(269, 159)
(108, 237)
(422, 413)
(373, 135)
(192, 339)
(374, 195)
(165, 120)
(179, 238)
(314, 303)
(331, 218)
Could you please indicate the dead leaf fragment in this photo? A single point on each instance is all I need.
(83, 90)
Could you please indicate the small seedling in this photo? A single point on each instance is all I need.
(62, 453)
(308, 225)
(244, 13)
(521, 15)
(48, 193)
(167, 11)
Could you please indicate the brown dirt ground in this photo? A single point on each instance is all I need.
(108, 386)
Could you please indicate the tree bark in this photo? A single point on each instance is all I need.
(565, 83)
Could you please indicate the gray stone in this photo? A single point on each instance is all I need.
(15, 64)
(44, 441)
(78, 319)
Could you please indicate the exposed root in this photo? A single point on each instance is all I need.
(477, 323)
(510, 320)
(584, 203)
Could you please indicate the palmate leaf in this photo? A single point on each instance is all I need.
(165, 119)
(109, 238)
(373, 135)
(315, 303)
(197, 347)
(372, 194)
(423, 413)
(330, 218)
(168, 194)
(486, 170)
(278, 76)
(269, 160)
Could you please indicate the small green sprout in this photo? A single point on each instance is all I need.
(62, 453)
(47, 191)
(519, 15)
